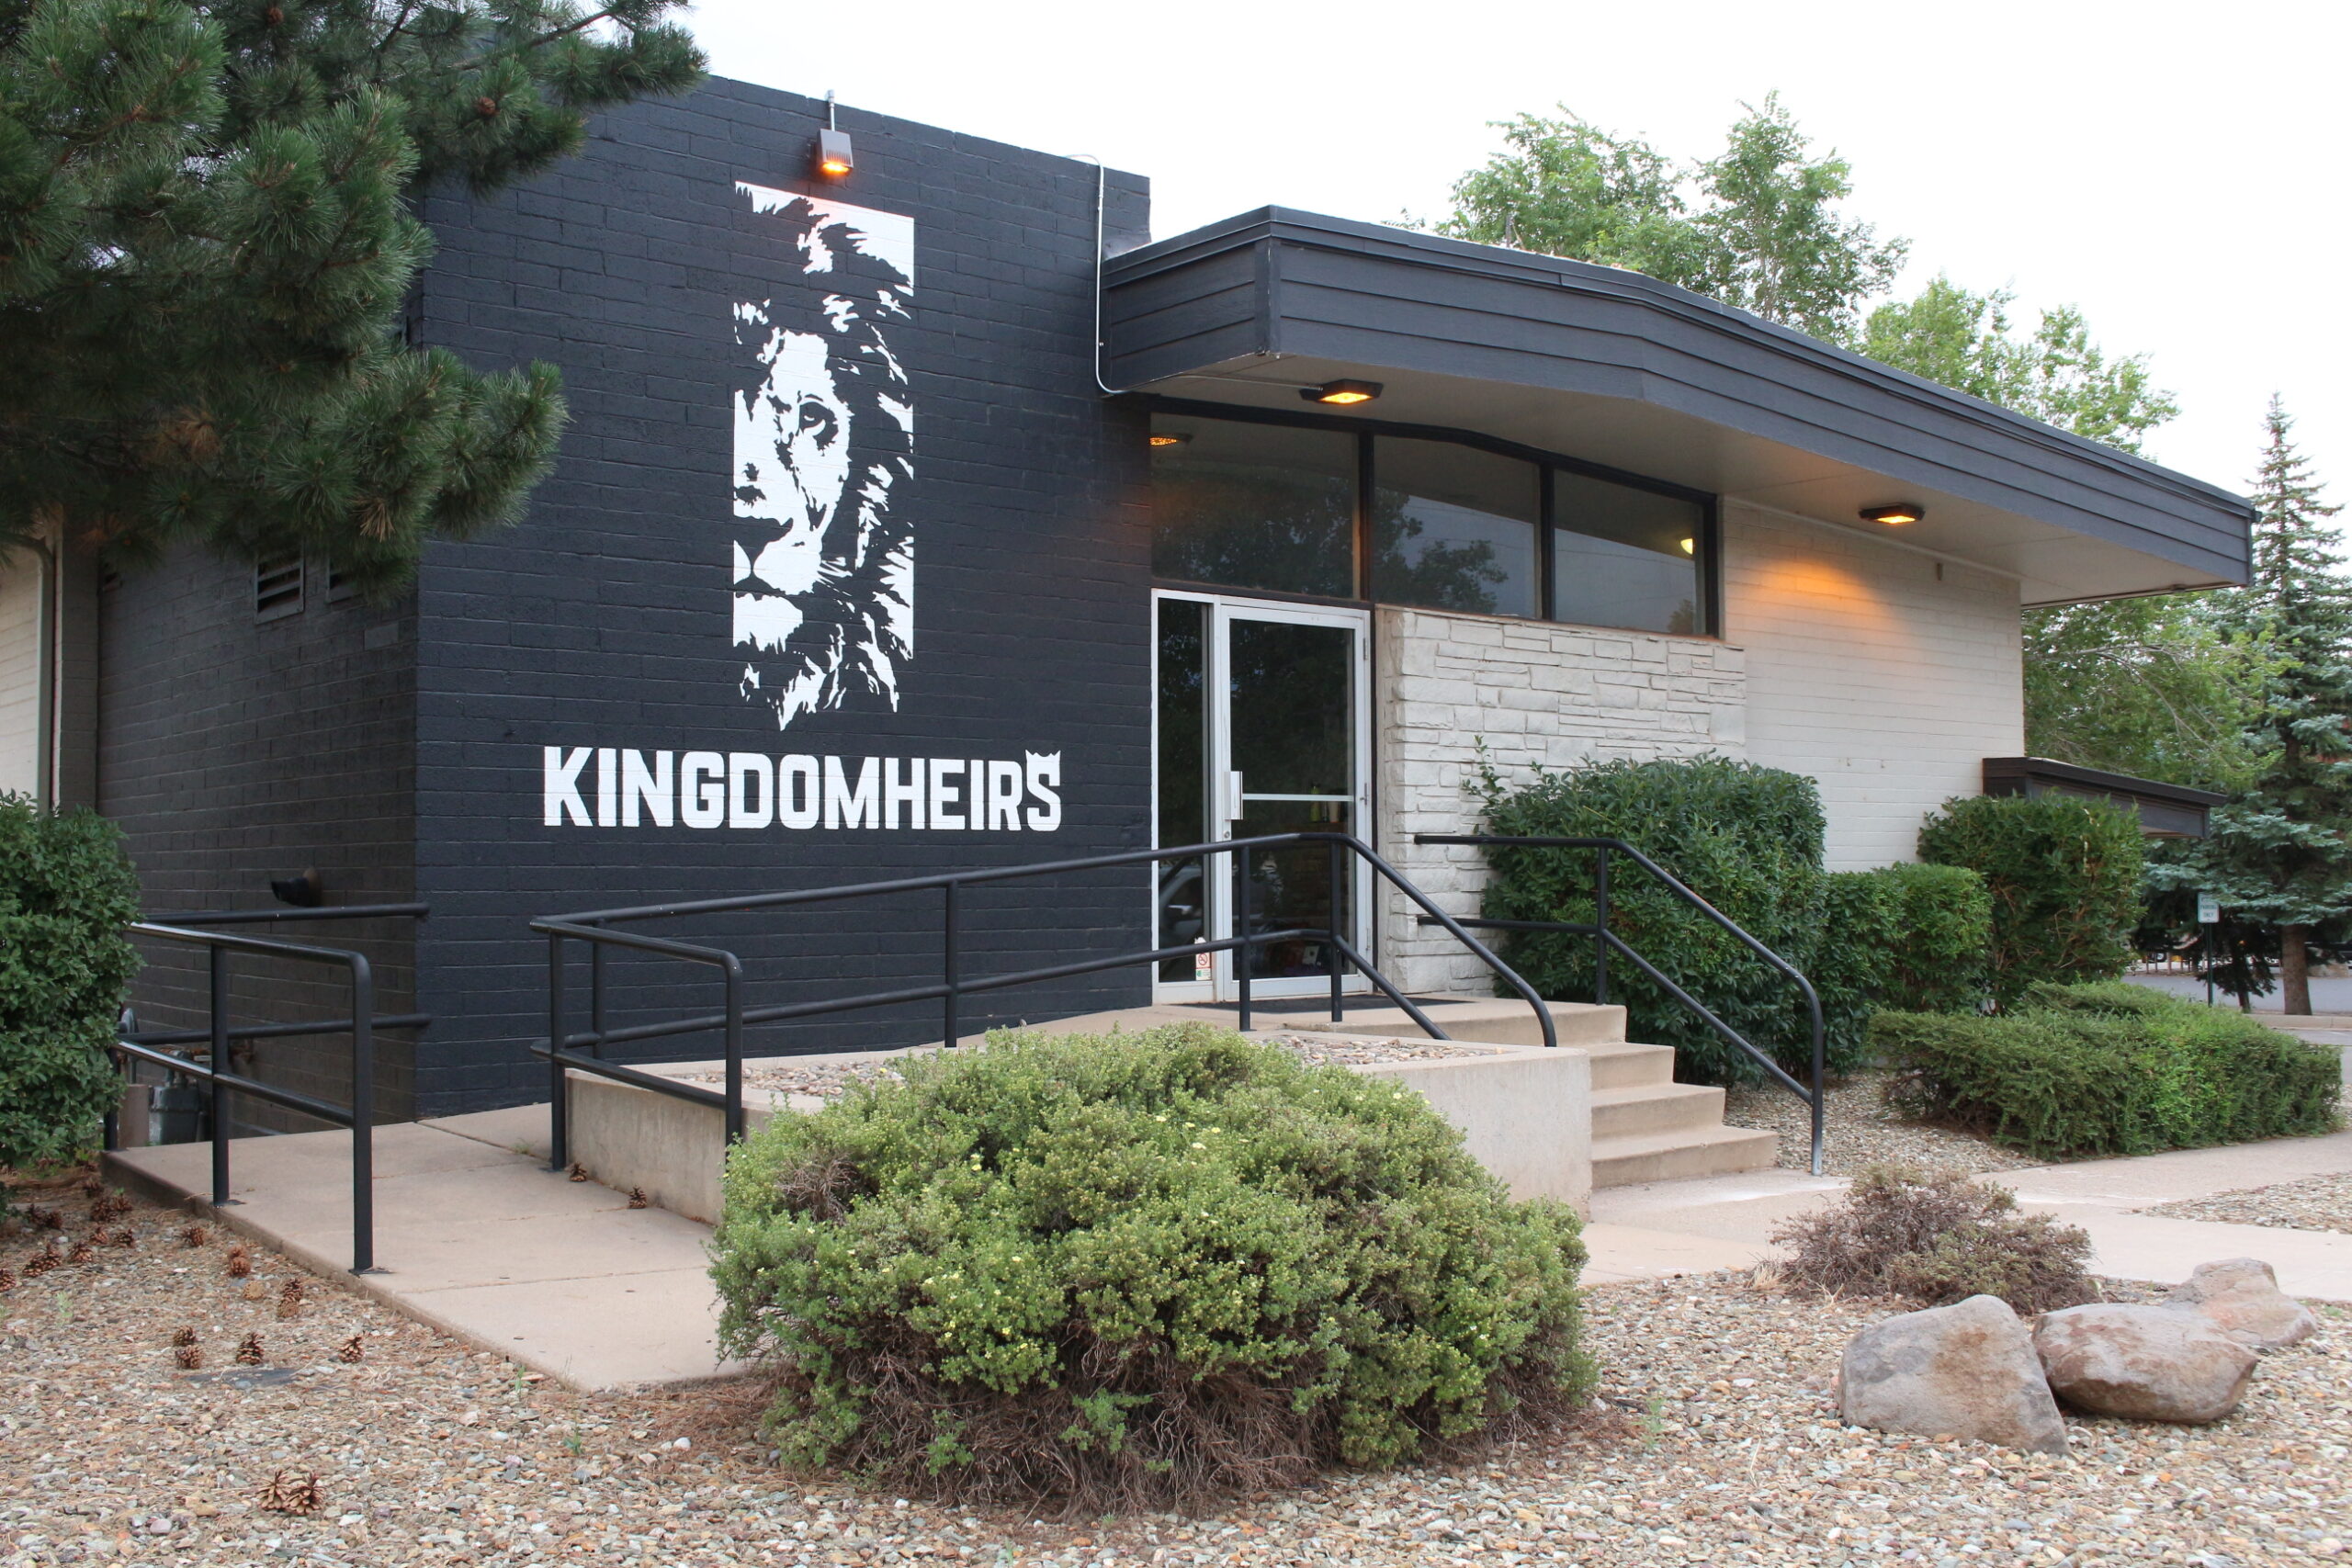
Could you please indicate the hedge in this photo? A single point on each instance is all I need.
(1748, 839)
(1138, 1270)
(66, 892)
(2065, 876)
(2108, 1069)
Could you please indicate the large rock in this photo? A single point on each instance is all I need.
(1965, 1371)
(2242, 1297)
(2150, 1363)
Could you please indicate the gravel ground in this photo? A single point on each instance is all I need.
(815, 1077)
(1721, 1447)
(1858, 1129)
(2311, 1203)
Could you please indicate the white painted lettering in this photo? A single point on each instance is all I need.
(1004, 797)
(1045, 787)
(860, 807)
(751, 790)
(646, 790)
(560, 784)
(702, 789)
(608, 786)
(799, 800)
(897, 793)
(943, 793)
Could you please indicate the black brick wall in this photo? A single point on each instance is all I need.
(602, 619)
(232, 751)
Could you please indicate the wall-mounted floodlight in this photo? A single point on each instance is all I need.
(1168, 438)
(1343, 394)
(1690, 547)
(1895, 513)
(834, 158)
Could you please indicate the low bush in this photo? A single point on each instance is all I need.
(2065, 878)
(2108, 1069)
(1748, 839)
(1138, 1270)
(1934, 1237)
(66, 891)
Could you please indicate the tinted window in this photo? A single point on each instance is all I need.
(1626, 557)
(1453, 527)
(1247, 505)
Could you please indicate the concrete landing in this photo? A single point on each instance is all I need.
(1680, 1227)
(476, 1236)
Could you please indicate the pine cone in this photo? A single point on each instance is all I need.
(189, 1356)
(637, 1198)
(249, 1350)
(353, 1349)
(291, 1496)
(239, 1263)
(81, 1253)
(184, 1335)
(8, 1280)
(289, 1298)
(196, 1236)
(579, 1172)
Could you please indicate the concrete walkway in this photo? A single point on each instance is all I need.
(1672, 1228)
(476, 1236)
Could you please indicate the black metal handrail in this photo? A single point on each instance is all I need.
(358, 1117)
(1606, 940)
(563, 1049)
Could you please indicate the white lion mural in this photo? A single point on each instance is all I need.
(824, 433)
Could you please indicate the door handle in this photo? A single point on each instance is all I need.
(1233, 811)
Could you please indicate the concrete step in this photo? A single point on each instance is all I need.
(1655, 1108)
(1488, 1020)
(1623, 1064)
(1666, 1157)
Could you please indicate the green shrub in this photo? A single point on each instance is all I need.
(1748, 839)
(2108, 1069)
(1934, 1237)
(1138, 1270)
(66, 891)
(2064, 877)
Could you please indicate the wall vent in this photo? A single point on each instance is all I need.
(277, 588)
(340, 588)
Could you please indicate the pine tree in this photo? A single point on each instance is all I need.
(2281, 854)
(206, 245)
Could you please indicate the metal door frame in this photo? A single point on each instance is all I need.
(1224, 610)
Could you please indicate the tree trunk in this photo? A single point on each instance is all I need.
(2295, 970)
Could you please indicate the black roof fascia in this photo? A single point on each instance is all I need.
(1282, 282)
(2167, 810)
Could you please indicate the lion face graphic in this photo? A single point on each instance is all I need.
(823, 578)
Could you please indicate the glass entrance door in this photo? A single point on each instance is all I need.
(1263, 720)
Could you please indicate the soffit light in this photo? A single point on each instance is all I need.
(835, 157)
(1896, 512)
(1343, 393)
(1690, 547)
(1168, 438)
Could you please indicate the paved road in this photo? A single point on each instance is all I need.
(2328, 995)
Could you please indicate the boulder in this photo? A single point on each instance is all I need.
(2155, 1362)
(1964, 1371)
(2242, 1297)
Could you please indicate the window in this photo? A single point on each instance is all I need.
(1452, 524)
(1268, 506)
(1453, 527)
(1629, 558)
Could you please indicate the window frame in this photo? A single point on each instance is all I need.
(1546, 462)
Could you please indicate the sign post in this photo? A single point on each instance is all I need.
(2208, 915)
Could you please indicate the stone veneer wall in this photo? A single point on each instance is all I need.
(1531, 694)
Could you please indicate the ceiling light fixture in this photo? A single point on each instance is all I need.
(1168, 438)
(835, 158)
(1897, 512)
(1342, 394)
(1690, 547)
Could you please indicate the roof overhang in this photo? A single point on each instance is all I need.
(2165, 810)
(1621, 370)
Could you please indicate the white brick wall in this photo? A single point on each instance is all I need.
(1531, 694)
(1867, 670)
(19, 668)
(1845, 660)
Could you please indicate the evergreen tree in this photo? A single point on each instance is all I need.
(2281, 854)
(207, 242)
(1756, 227)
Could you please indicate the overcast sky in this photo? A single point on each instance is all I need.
(2178, 172)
